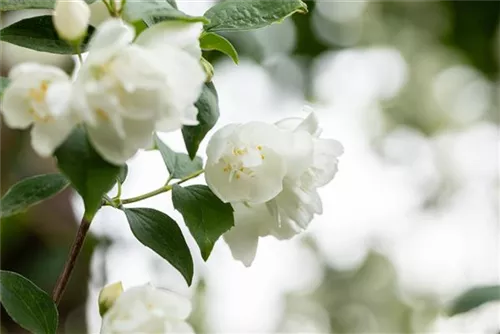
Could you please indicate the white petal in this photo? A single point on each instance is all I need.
(309, 124)
(37, 72)
(190, 116)
(180, 327)
(15, 107)
(268, 180)
(58, 98)
(242, 241)
(218, 142)
(183, 35)
(111, 35)
(225, 188)
(325, 162)
(184, 77)
(263, 134)
(110, 145)
(46, 137)
(299, 153)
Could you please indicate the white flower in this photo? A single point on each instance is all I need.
(39, 95)
(145, 309)
(311, 162)
(126, 91)
(71, 19)
(245, 162)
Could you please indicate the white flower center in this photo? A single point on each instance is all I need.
(37, 98)
(242, 161)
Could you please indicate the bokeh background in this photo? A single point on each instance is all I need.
(412, 90)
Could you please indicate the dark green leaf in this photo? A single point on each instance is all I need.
(206, 216)
(208, 114)
(27, 304)
(4, 82)
(31, 191)
(159, 232)
(122, 176)
(211, 41)
(88, 173)
(179, 165)
(155, 11)
(30, 4)
(238, 15)
(473, 298)
(38, 33)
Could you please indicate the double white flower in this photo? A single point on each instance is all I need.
(270, 174)
(123, 92)
(145, 309)
(126, 90)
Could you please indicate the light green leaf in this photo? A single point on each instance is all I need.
(238, 15)
(159, 232)
(208, 114)
(4, 82)
(211, 41)
(30, 4)
(38, 33)
(179, 165)
(206, 216)
(27, 304)
(88, 173)
(473, 298)
(155, 11)
(31, 191)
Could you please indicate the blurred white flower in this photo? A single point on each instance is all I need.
(245, 163)
(126, 91)
(71, 19)
(145, 309)
(39, 95)
(291, 199)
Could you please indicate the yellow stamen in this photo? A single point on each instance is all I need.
(259, 148)
(102, 114)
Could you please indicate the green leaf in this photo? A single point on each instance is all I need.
(31, 191)
(238, 15)
(30, 4)
(38, 33)
(159, 232)
(473, 298)
(4, 82)
(155, 11)
(179, 165)
(88, 173)
(208, 114)
(206, 216)
(122, 176)
(27, 304)
(210, 41)
(172, 3)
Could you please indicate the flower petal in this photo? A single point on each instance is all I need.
(110, 36)
(242, 241)
(46, 137)
(58, 98)
(325, 161)
(15, 107)
(115, 149)
(184, 35)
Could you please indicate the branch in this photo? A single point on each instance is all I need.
(63, 279)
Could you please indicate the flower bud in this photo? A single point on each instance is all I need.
(71, 19)
(108, 296)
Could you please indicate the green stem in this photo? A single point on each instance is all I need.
(161, 190)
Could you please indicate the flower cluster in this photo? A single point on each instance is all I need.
(146, 309)
(127, 88)
(270, 175)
